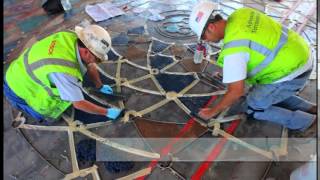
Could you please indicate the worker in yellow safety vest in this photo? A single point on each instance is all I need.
(46, 78)
(275, 60)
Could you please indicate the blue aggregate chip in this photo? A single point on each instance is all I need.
(86, 153)
(86, 156)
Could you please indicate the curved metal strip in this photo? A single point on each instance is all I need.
(121, 147)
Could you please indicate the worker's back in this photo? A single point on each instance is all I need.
(260, 35)
(27, 76)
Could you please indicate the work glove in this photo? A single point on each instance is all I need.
(113, 113)
(106, 89)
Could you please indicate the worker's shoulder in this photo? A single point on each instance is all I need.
(243, 12)
(66, 31)
(244, 9)
(62, 33)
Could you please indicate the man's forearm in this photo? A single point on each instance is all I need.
(94, 75)
(227, 100)
(89, 107)
(235, 91)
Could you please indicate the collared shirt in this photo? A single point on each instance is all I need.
(240, 60)
(235, 67)
(83, 68)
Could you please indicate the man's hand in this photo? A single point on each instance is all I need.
(234, 92)
(106, 89)
(206, 113)
(113, 113)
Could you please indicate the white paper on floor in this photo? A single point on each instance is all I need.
(103, 11)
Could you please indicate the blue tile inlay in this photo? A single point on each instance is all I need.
(121, 39)
(86, 152)
(158, 46)
(172, 82)
(159, 61)
(112, 56)
(137, 30)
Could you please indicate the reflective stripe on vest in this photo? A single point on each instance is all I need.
(32, 67)
(269, 54)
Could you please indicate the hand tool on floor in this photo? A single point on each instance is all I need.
(115, 96)
(212, 80)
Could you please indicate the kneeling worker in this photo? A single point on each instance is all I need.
(46, 78)
(275, 60)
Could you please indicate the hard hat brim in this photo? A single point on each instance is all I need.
(79, 31)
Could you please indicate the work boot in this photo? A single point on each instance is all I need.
(311, 132)
(313, 110)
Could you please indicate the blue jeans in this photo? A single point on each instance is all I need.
(19, 103)
(278, 103)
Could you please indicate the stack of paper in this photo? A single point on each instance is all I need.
(103, 11)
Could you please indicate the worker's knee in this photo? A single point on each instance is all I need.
(252, 109)
(257, 106)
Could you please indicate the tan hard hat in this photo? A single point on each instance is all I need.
(96, 39)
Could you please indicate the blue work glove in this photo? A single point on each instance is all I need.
(106, 89)
(113, 113)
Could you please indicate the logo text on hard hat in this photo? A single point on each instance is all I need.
(105, 42)
(199, 16)
(51, 47)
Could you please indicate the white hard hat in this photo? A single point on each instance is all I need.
(96, 39)
(200, 15)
